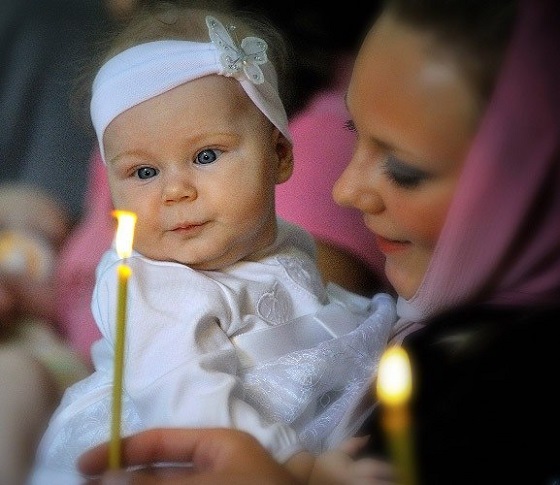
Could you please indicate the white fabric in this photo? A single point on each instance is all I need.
(147, 70)
(320, 391)
(182, 369)
(332, 320)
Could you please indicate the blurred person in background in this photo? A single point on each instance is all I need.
(44, 152)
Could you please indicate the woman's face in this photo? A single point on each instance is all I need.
(414, 115)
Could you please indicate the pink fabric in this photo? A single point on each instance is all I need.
(75, 272)
(322, 149)
(501, 239)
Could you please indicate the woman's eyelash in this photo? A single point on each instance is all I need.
(350, 126)
(402, 174)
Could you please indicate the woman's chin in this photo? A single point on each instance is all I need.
(405, 283)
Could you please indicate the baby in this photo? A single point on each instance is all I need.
(229, 323)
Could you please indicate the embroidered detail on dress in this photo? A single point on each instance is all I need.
(274, 305)
(319, 391)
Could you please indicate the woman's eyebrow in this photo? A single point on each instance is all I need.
(383, 144)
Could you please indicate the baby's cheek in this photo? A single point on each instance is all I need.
(142, 237)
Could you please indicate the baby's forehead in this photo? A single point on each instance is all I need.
(214, 94)
(202, 110)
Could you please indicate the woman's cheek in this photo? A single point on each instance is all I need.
(423, 222)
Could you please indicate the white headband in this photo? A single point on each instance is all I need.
(147, 70)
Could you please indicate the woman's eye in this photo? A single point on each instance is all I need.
(403, 174)
(207, 156)
(146, 172)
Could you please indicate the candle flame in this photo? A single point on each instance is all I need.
(126, 220)
(394, 378)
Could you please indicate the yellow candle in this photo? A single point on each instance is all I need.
(123, 242)
(394, 388)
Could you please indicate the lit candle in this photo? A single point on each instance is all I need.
(123, 243)
(394, 388)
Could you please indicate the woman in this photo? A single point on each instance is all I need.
(456, 169)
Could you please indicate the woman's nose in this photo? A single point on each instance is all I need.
(357, 186)
(178, 187)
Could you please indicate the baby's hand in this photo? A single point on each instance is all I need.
(339, 467)
(370, 471)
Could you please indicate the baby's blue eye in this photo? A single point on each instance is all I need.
(207, 156)
(146, 172)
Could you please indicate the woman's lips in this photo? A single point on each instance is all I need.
(390, 245)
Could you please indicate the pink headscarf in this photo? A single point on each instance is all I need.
(501, 239)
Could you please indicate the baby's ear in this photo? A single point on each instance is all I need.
(285, 154)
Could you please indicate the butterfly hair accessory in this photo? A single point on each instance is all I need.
(235, 59)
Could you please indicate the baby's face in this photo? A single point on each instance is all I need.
(198, 164)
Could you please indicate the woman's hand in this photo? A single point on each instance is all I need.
(32, 228)
(217, 455)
